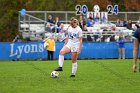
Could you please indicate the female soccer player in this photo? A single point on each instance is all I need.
(73, 44)
(136, 48)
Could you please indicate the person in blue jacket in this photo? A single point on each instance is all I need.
(121, 47)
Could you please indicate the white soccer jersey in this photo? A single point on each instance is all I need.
(74, 34)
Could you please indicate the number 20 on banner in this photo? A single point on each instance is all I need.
(112, 9)
(81, 10)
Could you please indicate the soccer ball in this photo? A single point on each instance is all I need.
(45, 45)
(54, 74)
(96, 8)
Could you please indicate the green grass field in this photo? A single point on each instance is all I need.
(93, 76)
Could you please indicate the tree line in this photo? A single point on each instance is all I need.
(9, 11)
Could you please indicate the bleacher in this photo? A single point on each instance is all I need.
(36, 30)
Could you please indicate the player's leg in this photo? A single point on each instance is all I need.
(119, 53)
(48, 55)
(123, 53)
(74, 63)
(52, 55)
(63, 51)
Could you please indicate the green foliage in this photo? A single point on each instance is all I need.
(9, 10)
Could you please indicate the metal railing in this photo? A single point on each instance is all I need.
(66, 15)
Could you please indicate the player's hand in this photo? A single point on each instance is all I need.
(134, 67)
(79, 51)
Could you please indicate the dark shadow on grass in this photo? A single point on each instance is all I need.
(37, 68)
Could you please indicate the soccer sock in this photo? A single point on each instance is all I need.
(61, 60)
(74, 68)
(123, 56)
(120, 56)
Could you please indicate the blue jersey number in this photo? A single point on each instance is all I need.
(84, 9)
(72, 36)
(116, 9)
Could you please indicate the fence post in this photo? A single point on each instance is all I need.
(126, 16)
(45, 18)
(66, 17)
(19, 21)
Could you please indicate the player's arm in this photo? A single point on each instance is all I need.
(67, 36)
(80, 44)
(80, 41)
(135, 51)
(45, 40)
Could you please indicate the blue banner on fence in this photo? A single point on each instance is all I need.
(35, 50)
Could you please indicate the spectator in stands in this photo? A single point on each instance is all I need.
(121, 47)
(57, 22)
(112, 38)
(129, 26)
(138, 22)
(104, 28)
(61, 28)
(90, 16)
(89, 36)
(121, 23)
(89, 22)
(17, 39)
(125, 23)
(85, 35)
(50, 45)
(48, 28)
(118, 23)
(50, 19)
(128, 38)
(96, 37)
(84, 21)
(97, 19)
(38, 37)
(113, 28)
(81, 21)
(116, 37)
(107, 38)
(62, 33)
(104, 18)
(85, 28)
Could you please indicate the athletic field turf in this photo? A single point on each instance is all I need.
(93, 76)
